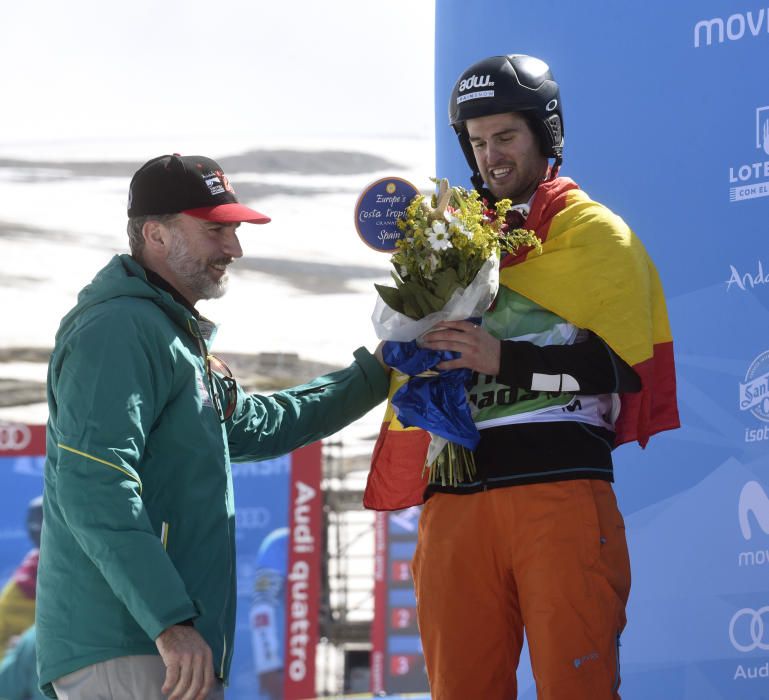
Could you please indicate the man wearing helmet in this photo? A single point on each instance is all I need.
(268, 613)
(524, 100)
(574, 359)
(17, 598)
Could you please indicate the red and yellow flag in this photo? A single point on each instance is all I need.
(595, 273)
(397, 478)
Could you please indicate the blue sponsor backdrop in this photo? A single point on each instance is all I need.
(261, 500)
(666, 114)
(261, 507)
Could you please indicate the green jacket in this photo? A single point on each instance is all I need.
(138, 509)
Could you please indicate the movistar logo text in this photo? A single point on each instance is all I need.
(733, 28)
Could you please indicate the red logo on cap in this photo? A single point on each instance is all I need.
(225, 181)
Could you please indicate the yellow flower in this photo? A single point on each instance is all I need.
(453, 236)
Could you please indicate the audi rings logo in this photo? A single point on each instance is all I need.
(14, 438)
(749, 629)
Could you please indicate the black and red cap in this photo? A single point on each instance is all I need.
(193, 185)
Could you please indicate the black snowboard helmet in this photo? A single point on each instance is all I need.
(512, 83)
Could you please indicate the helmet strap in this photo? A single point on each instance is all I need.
(477, 180)
(555, 168)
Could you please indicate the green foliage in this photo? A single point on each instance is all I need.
(391, 297)
(444, 245)
(454, 465)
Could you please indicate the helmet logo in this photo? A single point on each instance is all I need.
(475, 81)
(550, 106)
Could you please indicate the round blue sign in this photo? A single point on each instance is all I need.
(378, 209)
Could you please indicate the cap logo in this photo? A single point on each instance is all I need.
(550, 106)
(475, 81)
(225, 182)
(215, 185)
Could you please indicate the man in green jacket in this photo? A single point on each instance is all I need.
(137, 587)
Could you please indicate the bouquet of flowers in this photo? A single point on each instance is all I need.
(446, 267)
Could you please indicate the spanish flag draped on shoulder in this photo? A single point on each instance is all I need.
(595, 273)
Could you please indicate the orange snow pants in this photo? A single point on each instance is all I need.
(548, 558)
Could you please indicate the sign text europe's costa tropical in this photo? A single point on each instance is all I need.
(378, 209)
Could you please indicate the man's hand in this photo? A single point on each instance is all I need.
(480, 351)
(189, 663)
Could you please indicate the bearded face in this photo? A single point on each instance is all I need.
(204, 277)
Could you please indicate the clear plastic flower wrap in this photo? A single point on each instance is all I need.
(446, 267)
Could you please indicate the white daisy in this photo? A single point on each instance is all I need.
(438, 237)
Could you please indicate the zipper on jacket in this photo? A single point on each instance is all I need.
(615, 687)
(224, 656)
(231, 562)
